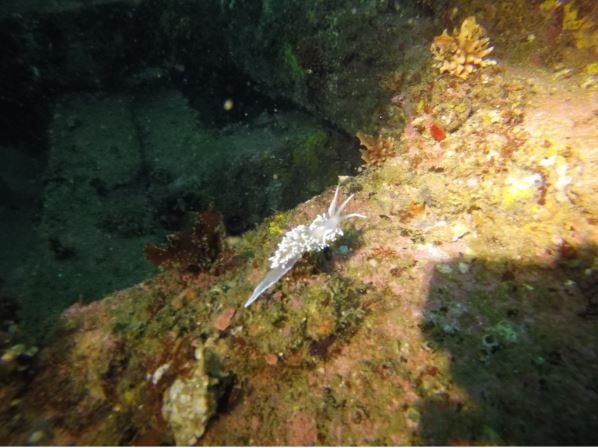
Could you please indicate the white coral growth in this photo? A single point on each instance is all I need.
(323, 230)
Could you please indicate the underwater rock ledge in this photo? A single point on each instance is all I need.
(461, 311)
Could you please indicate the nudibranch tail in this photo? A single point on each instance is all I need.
(271, 277)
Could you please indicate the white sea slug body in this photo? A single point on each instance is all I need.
(323, 230)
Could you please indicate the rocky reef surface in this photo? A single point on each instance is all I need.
(461, 311)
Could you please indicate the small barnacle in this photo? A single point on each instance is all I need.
(490, 343)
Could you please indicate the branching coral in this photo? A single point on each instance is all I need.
(463, 52)
(377, 149)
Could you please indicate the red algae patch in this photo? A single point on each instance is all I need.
(271, 359)
(302, 430)
(223, 320)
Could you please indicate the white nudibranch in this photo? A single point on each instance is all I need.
(323, 230)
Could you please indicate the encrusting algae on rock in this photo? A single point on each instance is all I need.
(188, 404)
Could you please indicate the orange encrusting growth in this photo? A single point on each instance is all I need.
(437, 132)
